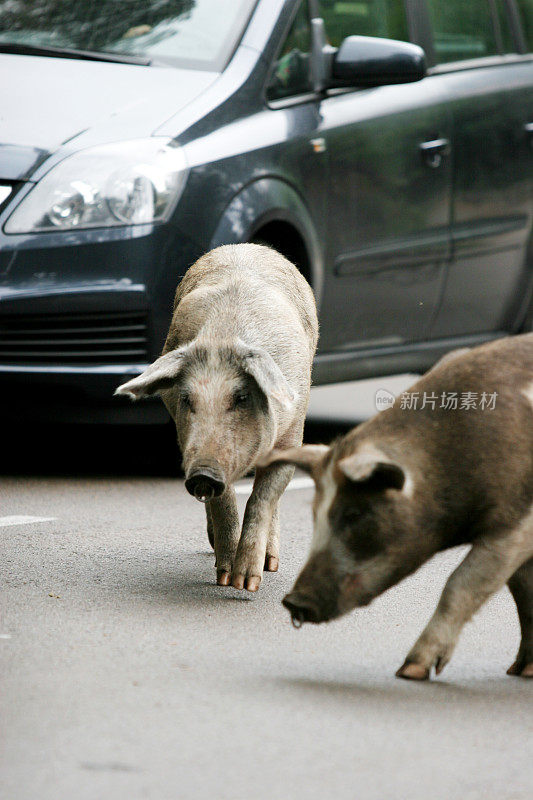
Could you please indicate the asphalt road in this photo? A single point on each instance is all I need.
(126, 673)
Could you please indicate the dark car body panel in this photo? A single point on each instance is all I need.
(407, 260)
(492, 197)
(389, 266)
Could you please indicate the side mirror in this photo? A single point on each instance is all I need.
(368, 61)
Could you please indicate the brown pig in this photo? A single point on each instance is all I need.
(450, 463)
(235, 376)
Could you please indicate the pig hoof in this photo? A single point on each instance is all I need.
(520, 669)
(251, 583)
(271, 564)
(237, 581)
(223, 578)
(413, 672)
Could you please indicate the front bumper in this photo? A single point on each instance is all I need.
(73, 395)
(82, 313)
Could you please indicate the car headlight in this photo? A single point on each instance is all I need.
(127, 183)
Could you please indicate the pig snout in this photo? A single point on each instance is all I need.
(301, 608)
(315, 596)
(205, 483)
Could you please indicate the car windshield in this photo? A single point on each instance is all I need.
(200, 34)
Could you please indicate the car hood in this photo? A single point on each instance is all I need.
(46, 102)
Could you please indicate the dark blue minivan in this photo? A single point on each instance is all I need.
(384, 146)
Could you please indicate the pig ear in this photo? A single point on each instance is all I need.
(162, 374)
(268, 376)
(363, 468)
(307, 457)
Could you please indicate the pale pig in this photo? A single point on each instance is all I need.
(455, 470)
(235, 376)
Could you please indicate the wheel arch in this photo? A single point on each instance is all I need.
(271, 211)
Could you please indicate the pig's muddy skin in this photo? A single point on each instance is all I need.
(235, 376)
(410, 483)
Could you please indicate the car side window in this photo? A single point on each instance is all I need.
(291, 74)
(526, 12)
(462, 30)
(383, 18)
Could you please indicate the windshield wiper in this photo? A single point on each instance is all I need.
(64, 52)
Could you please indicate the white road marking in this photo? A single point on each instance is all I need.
(296, 483)
(5, 636)
(23, 520)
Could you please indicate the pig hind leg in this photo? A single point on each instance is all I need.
(487, 567)
(521, 586)
(259, 527)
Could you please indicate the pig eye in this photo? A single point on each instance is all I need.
(185, 400)
(240, 399)
(352, 517)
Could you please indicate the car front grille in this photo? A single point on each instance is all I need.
(70, 339)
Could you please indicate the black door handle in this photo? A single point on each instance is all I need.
(434, 151)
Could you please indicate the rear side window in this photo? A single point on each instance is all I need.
(462, 30)
(526, 12)
(342, 18)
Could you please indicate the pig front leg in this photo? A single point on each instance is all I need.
(210, 529)
(223, 515)
(272, 550)
(259, 542)
(521, 586)
(486, 568)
